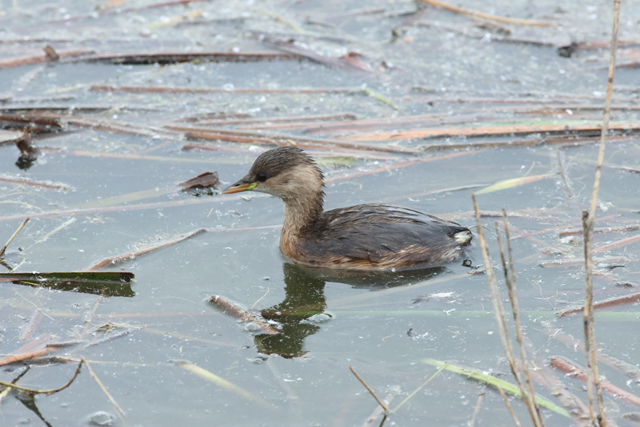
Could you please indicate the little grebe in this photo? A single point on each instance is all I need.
(362, 237)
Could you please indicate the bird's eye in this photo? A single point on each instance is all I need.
(261, 177)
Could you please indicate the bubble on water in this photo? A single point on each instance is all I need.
(101, 418)
(318, 318)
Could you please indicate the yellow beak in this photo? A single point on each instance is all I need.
(238, 188)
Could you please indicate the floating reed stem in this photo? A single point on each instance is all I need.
(242, 315)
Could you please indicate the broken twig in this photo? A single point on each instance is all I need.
(32, 392)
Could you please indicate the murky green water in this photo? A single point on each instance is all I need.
(121, 196)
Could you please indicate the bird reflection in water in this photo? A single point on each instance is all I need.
(304, 305)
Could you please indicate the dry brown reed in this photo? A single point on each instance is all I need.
(588, 219)
(528, 394)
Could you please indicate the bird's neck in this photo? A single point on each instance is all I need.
(302, 211)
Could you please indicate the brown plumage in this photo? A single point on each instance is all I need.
(361, 237)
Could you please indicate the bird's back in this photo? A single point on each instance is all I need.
(380, 237)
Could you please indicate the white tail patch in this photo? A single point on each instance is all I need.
(463, 237)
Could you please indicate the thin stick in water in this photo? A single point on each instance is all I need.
(478, 406)
(241, 314)
(119, 259)
(569, 368)
(33, 392)
(378, 412)
(25, 356)
(500, 317)
(608, 303)
(4, 248)
(104, 390)
(386, 409)
(30, 328)
(589, 326)
(510, 279)
(486, 15)
(54, 231)
(588, 220)
(25, 181)
(578, 232)
(625, 368)
(419, 388)
(508, 405)
(617, 244)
